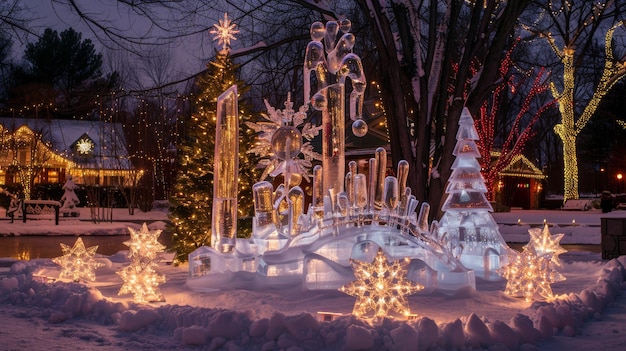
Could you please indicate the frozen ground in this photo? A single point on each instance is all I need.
(43, 314)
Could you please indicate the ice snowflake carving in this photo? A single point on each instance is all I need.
(280, 143)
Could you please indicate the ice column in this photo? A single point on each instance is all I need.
(226, 171)
(331, 72)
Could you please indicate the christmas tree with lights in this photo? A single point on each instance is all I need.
(191, 203)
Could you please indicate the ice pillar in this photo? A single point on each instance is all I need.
(331, 101)
(226, 170)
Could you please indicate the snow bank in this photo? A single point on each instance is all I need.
(214, 329)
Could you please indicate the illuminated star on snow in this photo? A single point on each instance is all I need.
(381, 287)
(144, 243)
(78, 262)
(142, 280)
(530, 274)
(545, 243)
(224, 32)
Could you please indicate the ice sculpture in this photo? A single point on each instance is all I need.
(226, 170)
(351, 215)
(467, 228)
(315, 246)
(331, 71)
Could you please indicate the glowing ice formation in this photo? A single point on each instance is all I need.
(467, 228)
(351, 216)
(78, 262)
(315, 245)
(381, 287)
(226, 171)
(332, 61)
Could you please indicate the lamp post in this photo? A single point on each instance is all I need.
(619, 182)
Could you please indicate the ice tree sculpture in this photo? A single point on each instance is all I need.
(467, 227)
(69, 199)
(332, 61)
(78, 262)
(224, 228)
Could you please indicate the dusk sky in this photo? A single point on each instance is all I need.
(189, 53)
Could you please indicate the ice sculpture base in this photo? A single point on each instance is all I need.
(322, 262)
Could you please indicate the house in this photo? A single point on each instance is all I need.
(93, 152)
(518, 184)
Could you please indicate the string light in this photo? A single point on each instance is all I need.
(530, 275)
(78, 262)
(381, 287)
(545, 243)
(141, 277)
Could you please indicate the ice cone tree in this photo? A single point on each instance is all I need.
(467, 225)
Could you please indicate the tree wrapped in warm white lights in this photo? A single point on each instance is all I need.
(573, 49)
(467, 227)
(191, 203)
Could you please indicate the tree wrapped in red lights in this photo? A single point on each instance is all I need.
(521, 129)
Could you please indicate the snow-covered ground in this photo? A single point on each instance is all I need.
(41, 314)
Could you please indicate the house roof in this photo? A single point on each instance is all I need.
(109, 142)
(520, 166)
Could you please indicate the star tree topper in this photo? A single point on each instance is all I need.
(78, 262)
(545, 243)
(224, 32)
(381, 287)
(530, 274)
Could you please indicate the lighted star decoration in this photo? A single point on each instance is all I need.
(78, 262)
(545, 243)
(144, 243)
(224, 32)
(142, 280)
(530, 275)
(84, 146)
(280, 142)
(381, 287)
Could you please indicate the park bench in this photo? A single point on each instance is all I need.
(34, 209)
(576, 205)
